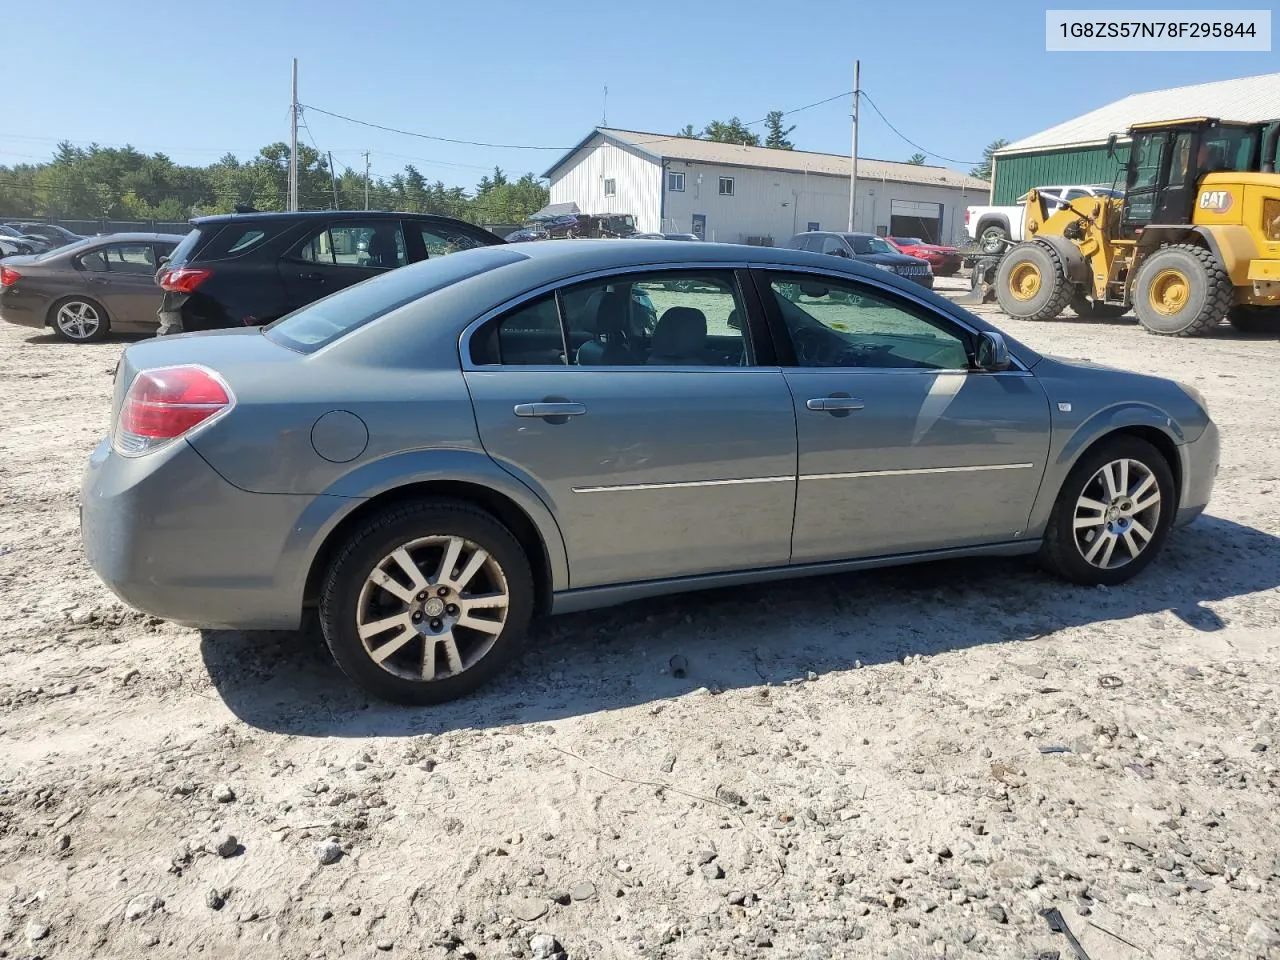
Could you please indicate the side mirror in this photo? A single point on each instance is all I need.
(1111, 147)
(162, 262)
(993, 353)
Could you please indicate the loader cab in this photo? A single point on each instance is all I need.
(1167, 160)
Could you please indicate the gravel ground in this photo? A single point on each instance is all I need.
(910, 763)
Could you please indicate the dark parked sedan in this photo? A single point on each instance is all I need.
(866, 248)
(87, 289)
(53, 234)
(434, 456)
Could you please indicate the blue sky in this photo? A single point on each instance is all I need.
(197, 80)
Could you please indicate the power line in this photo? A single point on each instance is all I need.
(427, 136)
(971, 163)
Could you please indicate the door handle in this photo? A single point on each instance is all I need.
(550, 410)
(99, 280)
(318, 277)
(835, 404)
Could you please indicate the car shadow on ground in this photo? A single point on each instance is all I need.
(744, 636)
(131, 337)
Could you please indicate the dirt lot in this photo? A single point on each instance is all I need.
(904, 764)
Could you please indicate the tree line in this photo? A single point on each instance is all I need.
(121, 183)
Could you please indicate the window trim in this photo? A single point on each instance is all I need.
(671, 175)
(785, 351)
(729, 181)
(610, 191)
(762, 340)
(106, 261)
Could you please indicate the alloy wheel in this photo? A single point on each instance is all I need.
(432, 608)
(1117, 514)
(78, 320)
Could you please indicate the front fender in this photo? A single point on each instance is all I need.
(1070, 441)
(370, 480)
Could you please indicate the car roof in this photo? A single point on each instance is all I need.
(138, 237)
(302, 215)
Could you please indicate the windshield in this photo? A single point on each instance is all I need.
(321, 323)
(9, 231)
(908, 241)
(865, 244)
(66, 248)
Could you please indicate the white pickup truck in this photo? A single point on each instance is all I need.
(990, 225)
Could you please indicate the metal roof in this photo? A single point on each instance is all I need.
(659, 146)
(1246, 99)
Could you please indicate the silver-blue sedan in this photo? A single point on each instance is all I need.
(435, 456)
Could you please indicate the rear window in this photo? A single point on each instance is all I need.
(60, 251)
(183, 250)
(321, 323)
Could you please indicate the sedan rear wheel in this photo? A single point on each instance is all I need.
(79, 321)
(1112, 515)
(427, 602)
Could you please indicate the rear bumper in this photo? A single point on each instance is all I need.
(22, 311)
(1199, 471)
(173, 539)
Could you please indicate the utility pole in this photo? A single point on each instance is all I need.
(853, 155)
(366, 179)
(333, 176)
(604, 112)
(293, 142)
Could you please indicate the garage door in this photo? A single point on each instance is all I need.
(914, 218)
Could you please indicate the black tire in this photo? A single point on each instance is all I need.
(1250, 319)
(1064, 555)
(1087, 309)
(1208, 291)
(65, 331)
(366, 548)
(1051, 290)
(990, 237)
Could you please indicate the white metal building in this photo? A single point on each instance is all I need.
(736, 194)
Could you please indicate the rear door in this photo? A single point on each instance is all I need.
(127, 287)
(338, 254)
(664, 451)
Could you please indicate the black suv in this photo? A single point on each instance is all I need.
(246, 269)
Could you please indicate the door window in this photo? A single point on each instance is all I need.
(378, 245)
(126, 258)
(693, 319)
(530, 335)
(441, 241)
(835, 246)
(836, 323)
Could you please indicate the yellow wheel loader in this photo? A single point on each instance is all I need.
(1194, 237)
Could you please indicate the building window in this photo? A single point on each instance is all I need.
(812, 225)
(675, 182)
(726, 186)
(611, 188)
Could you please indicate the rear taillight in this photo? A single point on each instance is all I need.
(9, 276)
(966, 216)
(184, 279)
(165, 403)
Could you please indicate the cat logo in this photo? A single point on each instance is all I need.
(1215, 201)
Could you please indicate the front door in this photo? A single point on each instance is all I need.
(902, 446)
(340, 254)
(636, 407)
(700, 225)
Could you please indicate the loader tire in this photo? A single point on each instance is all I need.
(1087, 309)
(1031, 283)
(1181, 291)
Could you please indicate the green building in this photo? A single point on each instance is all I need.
(1075, 152)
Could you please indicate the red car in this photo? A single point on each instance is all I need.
(945, 261)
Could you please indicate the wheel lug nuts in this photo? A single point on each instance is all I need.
(422, 596)
(442, 592)
(451, 609)
(417, 618)
(436, 624)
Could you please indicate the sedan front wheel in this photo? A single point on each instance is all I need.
(1112, 514)
(426, 602)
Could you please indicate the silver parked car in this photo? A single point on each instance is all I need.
(434, 456)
